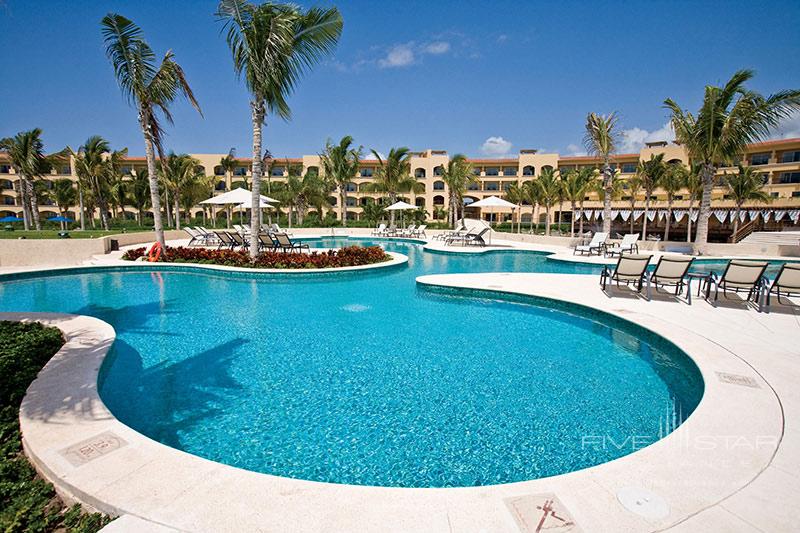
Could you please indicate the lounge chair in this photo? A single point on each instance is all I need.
(459, 236)
(266, 241)
(420, 231)
(196, 239)
(740, 276)
(787, 281)
(627, 245)
(209, 238)
(408, 231)
(380, 230)
(277, 229)
(287, 245)
(225, 240)
(670, 271)
(242, 241)
(597, 245)
(447, 234)
(630, 269)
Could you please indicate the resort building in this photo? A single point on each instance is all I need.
(779, 162)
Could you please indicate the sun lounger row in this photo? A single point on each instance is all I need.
(739, 276)
(599, 245)
(411, 231)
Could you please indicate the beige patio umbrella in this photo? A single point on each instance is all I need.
(491, 203)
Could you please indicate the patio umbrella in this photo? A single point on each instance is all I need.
(491, 203)
(400, 206)
(236, 197)
(11, 219)
(59, 219)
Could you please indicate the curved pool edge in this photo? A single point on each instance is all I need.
(148, 479)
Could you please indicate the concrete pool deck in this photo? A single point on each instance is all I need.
(733, 465)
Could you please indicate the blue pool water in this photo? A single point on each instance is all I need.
(365, 378)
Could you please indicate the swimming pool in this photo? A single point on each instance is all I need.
(365, 378)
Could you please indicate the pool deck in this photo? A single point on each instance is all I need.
(734, 465)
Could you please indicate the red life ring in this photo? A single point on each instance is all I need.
(155, 253)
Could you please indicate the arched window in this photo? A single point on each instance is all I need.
(332, 200)
(200, 169)
(219, 171)
(220, 186)
(675, 162)
(419, 173)
(8, 200)
(6, 184)
(312, 171)
(438, 200)
(528, 170)
(437, 171)
(438, 185)
(351, 187)
(419, 202)
(547, 167)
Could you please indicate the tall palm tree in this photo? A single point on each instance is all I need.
(650, 172)
(575, 185)
(229, 164)
(340, 163)
(531, 194)
(179, 173)
(549, 191)
(731, 117)
(150, 86)
(140, 193)
(745, 185)
(633, 186)
(93, 167)
(516, 195)
(601, 140)
(694, 186)
(615, 191)
(272, 45)
(64, 195)
(673, 180)
(393, 176)
(457, 176)
(26, 152)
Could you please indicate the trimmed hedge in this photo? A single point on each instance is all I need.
(344, 257)
(27, 502)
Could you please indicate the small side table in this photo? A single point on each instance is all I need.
(702, 281)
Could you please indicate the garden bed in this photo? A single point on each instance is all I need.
(344, 257)
(27, 502)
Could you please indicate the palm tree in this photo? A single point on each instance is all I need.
(373, 212)
(229, 164)
(694, 185)
(746, 185)
(672, 181)
(616, 189)
(179, 174)
(26, 152)
(272, 45)
(140, 193)
(516, 195)
(65, 195)
(457, 176)
(531, 195)
(393, 176)
(150, 87)
(95, 168)
(575, 186)
(549, 191)
(731, 117)
(650, 172)
(633, 186)
(340, 163)
(601, 140)
(197, 188)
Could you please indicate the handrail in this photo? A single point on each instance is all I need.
(742, 232)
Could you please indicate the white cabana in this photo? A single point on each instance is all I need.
(238, 197)
(401, 206)
(493, 202)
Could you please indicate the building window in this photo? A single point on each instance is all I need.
(476, 171)
(65, 170)
(790, 157)
(437, 171)
(509, 171)
(351, 187)
(774, 194)
(438, 185)
(419, 202)
(126, 170)
(5, 169)
(492, 171)
(8, 200)
(6, 184)
(790, 177)
(507, 185)
(759, 159)
(277, 171)
(365, 172)
(419, 173)
(220, 186)
(351, 201)
(795, 194)
(438, 200)
(628, 168)
(219, 171)
(241, 171)
(491, 186)
(527, 171)
(474, 186)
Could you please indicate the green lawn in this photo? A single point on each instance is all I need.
(53, 234)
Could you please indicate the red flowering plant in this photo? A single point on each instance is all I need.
(344, 257)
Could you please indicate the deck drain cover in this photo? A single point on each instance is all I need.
(736, 379)
(643, 502)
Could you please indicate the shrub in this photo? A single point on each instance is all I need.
(344, 257)
(27, 502)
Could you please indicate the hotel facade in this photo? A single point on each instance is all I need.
(778, 161)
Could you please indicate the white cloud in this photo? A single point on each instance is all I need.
(437, 47)
(496, 146)
(788, 128)
(574, 149)
(633, 139)
(400, 55)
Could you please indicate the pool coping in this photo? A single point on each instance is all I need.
(152, 481)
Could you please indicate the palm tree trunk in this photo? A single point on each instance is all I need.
(701, 234)
(644, 223)
(343, 206)
(104, 214)
(572, 221)
(167, 207)
(669, 218)
(608, 187)
(177, 213)
(580, 225)
(23, 195)
(155, 198)
(392, 200)
(80, 202)
(689, 222)
(633, 205)
(736, 220)
(547, 220)
(258, 114)
(34, 206)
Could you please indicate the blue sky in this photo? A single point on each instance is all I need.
(482, 78)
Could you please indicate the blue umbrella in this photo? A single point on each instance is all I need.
(59, 219)
(10, 219)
